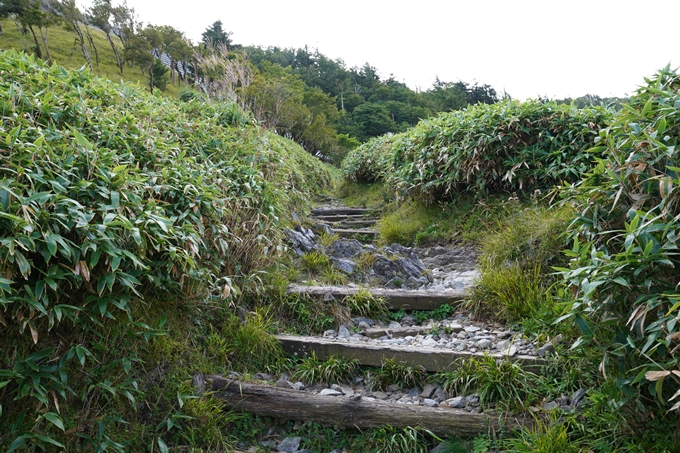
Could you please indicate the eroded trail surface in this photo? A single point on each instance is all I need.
(427, 327)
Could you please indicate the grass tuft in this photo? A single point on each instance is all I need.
(334, 369)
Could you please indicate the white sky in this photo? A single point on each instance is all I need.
(555, 48)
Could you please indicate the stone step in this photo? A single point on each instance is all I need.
(354, 411)
(395, 299)
(340, 210)
(432, 359)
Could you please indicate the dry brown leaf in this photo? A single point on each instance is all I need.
(34, 332)
(656, 375)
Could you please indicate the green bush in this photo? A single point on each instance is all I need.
(625, 266)
(505, 147)
(114, 202)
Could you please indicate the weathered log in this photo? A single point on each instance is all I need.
(341, 211)
(432, 359)
(352, 412)
(345, 232)
(394, 298)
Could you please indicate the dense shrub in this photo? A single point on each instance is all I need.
(111, 198)
(625, 265)
(371, 161)
(506, 147)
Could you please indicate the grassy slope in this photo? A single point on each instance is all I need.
(67, 53)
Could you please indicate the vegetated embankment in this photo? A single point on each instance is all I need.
(124, 218)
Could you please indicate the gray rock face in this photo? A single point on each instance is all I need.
(359, 319)
(289, 445)
(343, 332)
(384, 268)
(457, 402)
(577, 397)
(428, 391)
(284, 384)
(302, 241)
(345, 248)
(330, 333)
(343, 265)
(411, 267)
(440, 395)
(430, 402)
(551, 406)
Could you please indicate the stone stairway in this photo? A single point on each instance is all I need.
(414, 280)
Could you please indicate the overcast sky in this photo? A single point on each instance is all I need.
(554, 48)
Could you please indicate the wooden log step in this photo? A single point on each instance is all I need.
(355, 223)
(344, 232)
(353, 412)
(338, 218)
(368, 354)
(338, 211)
(395, 299)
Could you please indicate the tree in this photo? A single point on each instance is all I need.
(215, 35)
(69, 12)
(30, 14)
(100, 15)
(373, 120)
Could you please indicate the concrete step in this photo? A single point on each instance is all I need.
(395, 299)
(432, 359)
(354, 223)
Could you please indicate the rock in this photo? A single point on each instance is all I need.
(472, 329)
(577, 397)
(394, 325)
(289, 445)
(484, 344)
(330, 333)
(411, 267)
(545, 350)
(457, 402)
(510, 352)
(472, 401)
(330, 392)
(344, 248)
(428, 391)
(393, 388)
(566, 408)
(301, 242)
(430, 402)
(263, 376)
(440, 395)
(409, 321)
(551, 406)
(268, 443)
(415, 392)
(299, 386)
(384, 268)
(343, 332)
(345, 389)
(343, 265)
(398, 249)
(326, 229)
(359, 319)
(364, 326)
(443, 447)
(430, 342)
(378, 395)
(284, 384)
(328, 297)
(502, 345)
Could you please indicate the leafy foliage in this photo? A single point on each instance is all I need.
(112, 200)
(508, 146)
(624, 268)
(394, 372)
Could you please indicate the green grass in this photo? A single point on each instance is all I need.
(363, 303)
(333, 370)
(63, 53)
(395, 372)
